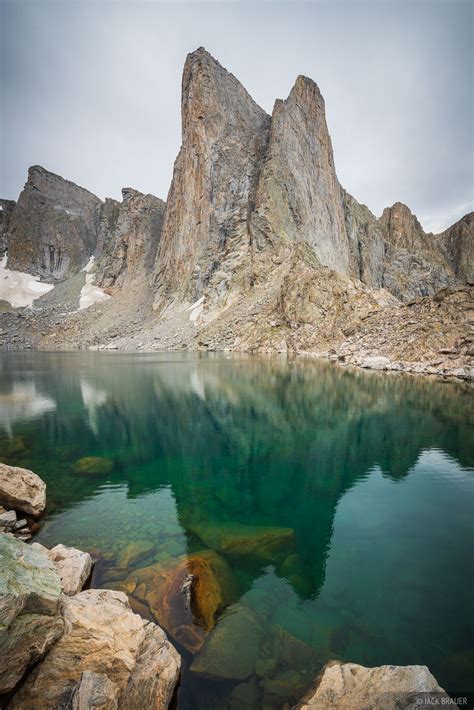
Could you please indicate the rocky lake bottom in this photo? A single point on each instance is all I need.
(320, 513)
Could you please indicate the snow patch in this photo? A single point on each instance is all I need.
(196, 310)
(91, 294)
(20, 289)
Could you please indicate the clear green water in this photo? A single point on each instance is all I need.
(373, 474)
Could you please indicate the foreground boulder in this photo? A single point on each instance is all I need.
(106, 651)
(348, 685)
(22, 489)
(30, 619)
(74, 567)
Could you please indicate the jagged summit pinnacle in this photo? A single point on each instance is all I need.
(304, 84)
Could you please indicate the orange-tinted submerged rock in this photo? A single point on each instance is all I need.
(184, 596)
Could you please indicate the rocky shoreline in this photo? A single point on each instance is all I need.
(63, 645)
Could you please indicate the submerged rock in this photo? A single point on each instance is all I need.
(74, 567)
(232, 648)
(380, 688)
(185, 598)
(134, 552)
(22, 489)
(30, 620)
(262, 543)
(103, 636)
(93, 466)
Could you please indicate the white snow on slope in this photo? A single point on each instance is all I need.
(18, 288)
(91, 294)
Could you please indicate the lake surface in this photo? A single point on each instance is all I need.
(335, 506)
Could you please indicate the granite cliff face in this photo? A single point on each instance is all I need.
(52, 230)
(299, 198)
(457, 244)
(248, 189)
(129, 235)
(206, 227)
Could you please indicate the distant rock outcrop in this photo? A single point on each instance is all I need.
(53, 227)
(457, 243)
(6, 209)
(298, 196)
(129, 235)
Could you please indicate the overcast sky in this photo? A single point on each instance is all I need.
(91, 90)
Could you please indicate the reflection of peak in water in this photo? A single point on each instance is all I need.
(246, 439)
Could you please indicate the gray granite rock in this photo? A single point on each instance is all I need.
(22, 489)
(348, 685)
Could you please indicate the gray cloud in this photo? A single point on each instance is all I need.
(91, 90)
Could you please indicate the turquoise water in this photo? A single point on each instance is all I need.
(339, 502)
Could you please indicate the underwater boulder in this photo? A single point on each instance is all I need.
(93, 466)
(233, 646)
(185, 597)
(261, 543)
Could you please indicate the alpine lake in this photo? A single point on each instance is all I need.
(270, 514)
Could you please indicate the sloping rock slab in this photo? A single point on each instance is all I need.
(22, 489)
(30, 620)
(348, 685)
(105, 637)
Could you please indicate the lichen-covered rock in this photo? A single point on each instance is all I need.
(22, 489)
(52, 229)
(129, 250)
(103, 636)
(30, 619)
(74, 567)
(349, 685)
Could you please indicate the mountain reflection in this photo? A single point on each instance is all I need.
(244, 439)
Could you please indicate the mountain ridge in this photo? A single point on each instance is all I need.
(258, 246)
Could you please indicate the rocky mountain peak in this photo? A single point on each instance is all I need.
(299, 197)
(52, 229)
(224, 135)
